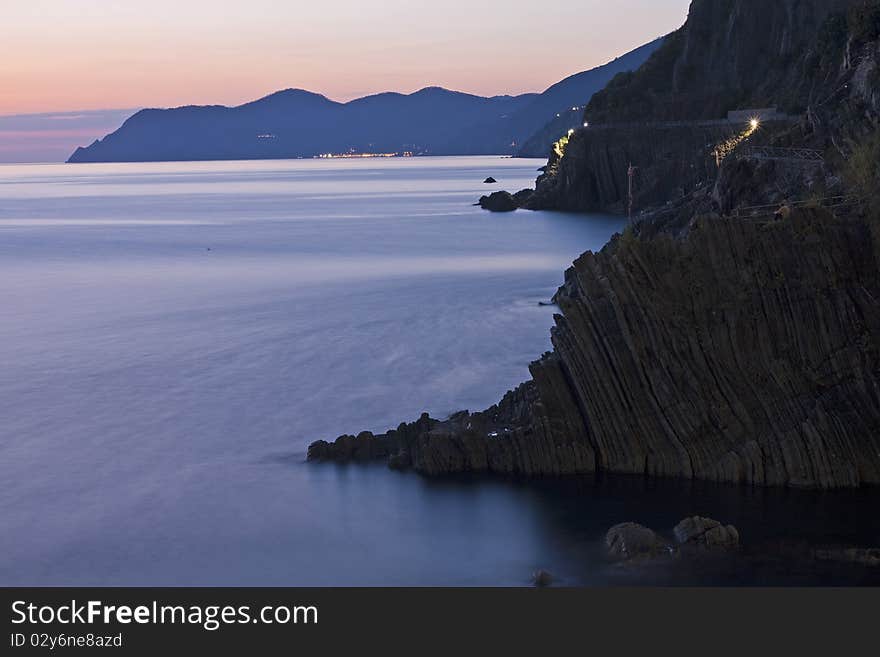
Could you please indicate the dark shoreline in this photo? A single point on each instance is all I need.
(782, 530)
(760, 377)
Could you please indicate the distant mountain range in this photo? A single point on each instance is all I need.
(297, 123)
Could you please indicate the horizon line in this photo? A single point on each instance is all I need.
(50, 113)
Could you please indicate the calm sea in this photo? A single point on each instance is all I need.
(173, 336)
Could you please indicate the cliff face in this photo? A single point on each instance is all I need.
(707, 341)
(730, 55)
(747, 352)
(670, 160)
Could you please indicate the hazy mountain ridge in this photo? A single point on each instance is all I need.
(299, 123)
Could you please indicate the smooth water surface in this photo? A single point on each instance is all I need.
(173, 336)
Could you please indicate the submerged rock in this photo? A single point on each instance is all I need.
(632, 541)
(705, 532)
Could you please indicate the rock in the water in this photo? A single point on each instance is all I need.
(499, 202)
(505, 201)
(541, 579)
(363, 447)
(630, 541)
(320, 450)
(490, 180)
(705, 532)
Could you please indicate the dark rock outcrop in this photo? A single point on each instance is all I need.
(633, 542)
(498, 202)
(535, 430)
(629, 541)
(706, 533)
(490, 181)
(505, 201)
(363, 447)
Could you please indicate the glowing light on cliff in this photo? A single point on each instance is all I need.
(725, 148)
(559, 147)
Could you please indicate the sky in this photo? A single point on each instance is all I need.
(68, 58)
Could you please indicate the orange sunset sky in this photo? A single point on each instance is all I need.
(72, 55)
(81, 54)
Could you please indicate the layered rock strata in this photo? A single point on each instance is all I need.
(747, 352)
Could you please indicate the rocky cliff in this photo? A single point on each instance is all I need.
(711, 340)
(729, 54)
(747, 352)
(667, 118)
